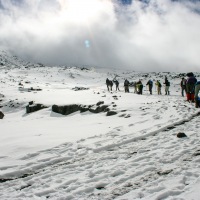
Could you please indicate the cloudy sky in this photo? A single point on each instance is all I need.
(146, 35)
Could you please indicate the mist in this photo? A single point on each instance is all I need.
(161, 35)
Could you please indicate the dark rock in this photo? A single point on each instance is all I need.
(34, 89)
(1, 115)
(34, 108)
(197, 153)
(181, 135)
(110, 113)
(162, 173)
(84, 68)
(83, 109)
(79, 88)
(66, 110)
(98, 109)
(30, 103)
(99, 103)
(127, 116)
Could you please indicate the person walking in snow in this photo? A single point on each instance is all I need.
(196, 95)
(167, 84)
(117, 84)
(183, 86)
(135, 87)
(109, 84)
(139, 87)
(150, 84)
(158, 84)
(126, 85)
(190, 87)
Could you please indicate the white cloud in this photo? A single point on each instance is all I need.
(162, 36)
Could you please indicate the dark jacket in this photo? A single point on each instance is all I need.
(167, 83)
(190, 84)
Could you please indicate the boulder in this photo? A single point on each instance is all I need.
(181, 135)
(110, 113)
(34, 107)
(66, 110)
(99, 109)
(99, 103)
(1, 115)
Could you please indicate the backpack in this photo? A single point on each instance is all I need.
(150, 82)
(126, 83)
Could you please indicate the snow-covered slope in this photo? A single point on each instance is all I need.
(134, 154)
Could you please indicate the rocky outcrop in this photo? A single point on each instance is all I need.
(34, 107)
(1, 115)
(68, 109)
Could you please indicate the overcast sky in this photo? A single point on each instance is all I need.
(162, 35)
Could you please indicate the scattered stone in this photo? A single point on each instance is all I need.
(30, 103)
(162, 173)
(99, 109)
(84, 68)
(1, 115)
(110, 113)
(181, 135)
(79, 88)
(99, 103)
(34, 89)
(127, 116)
(197, 153)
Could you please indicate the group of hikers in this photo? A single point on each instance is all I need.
(190, 86)
(138, 86)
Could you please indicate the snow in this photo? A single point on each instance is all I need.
(132, 155)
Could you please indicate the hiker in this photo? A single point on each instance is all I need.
(135, 87)
(150, 84)
(117, 84)
(190, 86)
(158, 84)
(196, 96)
(167, 84)
(109, 84)
(183, 86)
(126, 85)
(139, 87)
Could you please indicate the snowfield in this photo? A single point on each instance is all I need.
(132, 155)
